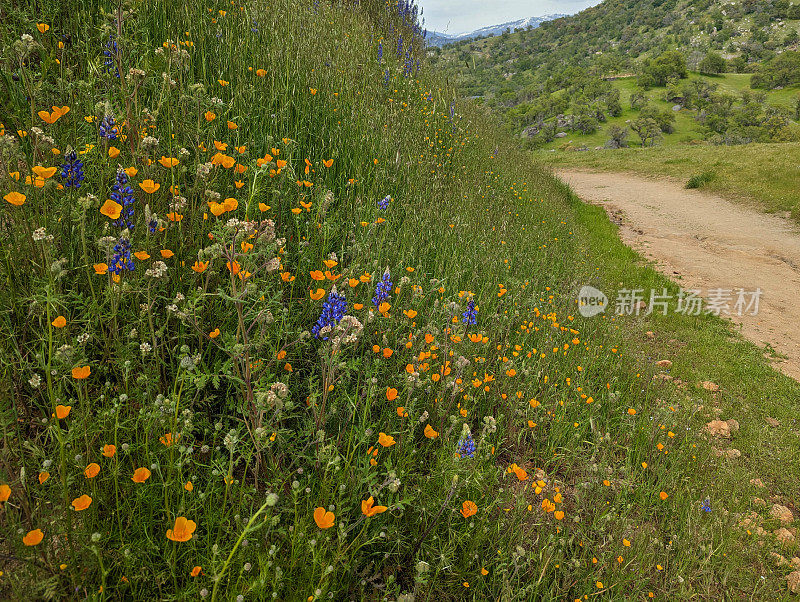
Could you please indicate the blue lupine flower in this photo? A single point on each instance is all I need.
(386, 77)
(384, 289)
(108, 128)
(383, 204)
(466, 447)
(72, 171)
(123, 194)
(380, 51)
(706, 505)
(110, 53)
(400, 45)
(333, 310)
(471, 315)
(122, 256)
(152, 225)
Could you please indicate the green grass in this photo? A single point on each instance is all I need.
(205, 370)
(760, 175)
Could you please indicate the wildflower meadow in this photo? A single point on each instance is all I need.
(281, 319)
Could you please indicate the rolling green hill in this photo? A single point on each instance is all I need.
(562, 77)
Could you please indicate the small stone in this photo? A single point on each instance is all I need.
(784, 536)
(650, 334)
(757, 501)
(779, 560)
(709, 386)
(664, 364)
(719, 428)
(793, 581)
(782, 513)
(730, 454)
(733, 425)
(796, 562)
(772, 421)
(757, 482)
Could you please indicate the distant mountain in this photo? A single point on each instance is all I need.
(436, 38)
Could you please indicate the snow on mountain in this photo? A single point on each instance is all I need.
(436, 38)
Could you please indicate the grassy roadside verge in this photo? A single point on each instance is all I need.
(759, 175)
(703, 350)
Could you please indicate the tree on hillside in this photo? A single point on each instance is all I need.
(647, 129)
(713, 63)
(658, 71)
(619, 137)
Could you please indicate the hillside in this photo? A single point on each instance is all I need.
(560, 77)
(283, 319)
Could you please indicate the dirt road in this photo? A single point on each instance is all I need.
(710, 243)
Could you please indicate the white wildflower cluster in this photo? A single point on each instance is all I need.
(157, 270)
(41, 235)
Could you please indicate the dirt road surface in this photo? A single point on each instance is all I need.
(705, 242)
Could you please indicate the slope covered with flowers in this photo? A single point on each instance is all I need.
(279, 323)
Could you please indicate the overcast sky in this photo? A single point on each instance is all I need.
(459, 16)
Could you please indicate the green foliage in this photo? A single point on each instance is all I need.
(700, 180)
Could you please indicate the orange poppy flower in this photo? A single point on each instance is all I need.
(189, 487)
(166, 253)
(131, 172)
(43, 476)
(92, 470)
(167, 439)
(33, 538)
(141, 255)
(196, 571)
(111, 209)
(5, 492)
(261, 72)
(317, 275)
(81, 372)
(468, 508)
(109, 450)
(391, 394)
(168, 162)
(430, 433)
(663, 495)
(317, 295)
(368, 509)
(323, 518)
(230, 204)
(44, 172)
(183, 529)
(140, 475)
(327, 163)
(42, 27)
(174, 217)
(214, 333)
(386, 440)
(217, 209)
(232, 125)
(209, 116)
(62, 411)
(200, 266)
(59, 322)
(82, 502)
(149, 186)
(49, 118)
(410, 313)
(100, 268)
(113, 152)
(15, 198)
(224, 160)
